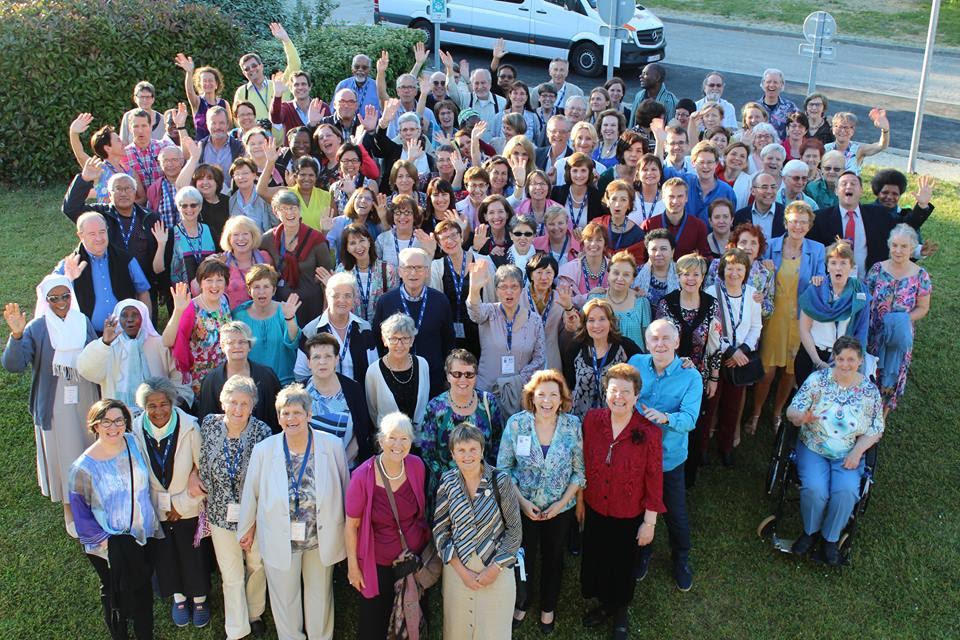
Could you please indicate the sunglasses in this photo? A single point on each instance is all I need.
(63, 297)
(524, 234)
(439, 83)
(469, 375)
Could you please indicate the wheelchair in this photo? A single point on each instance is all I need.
(783, 484)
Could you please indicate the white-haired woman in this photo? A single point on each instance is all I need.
(292, 507)
(226, 444)
(400, 380)
(376, 536)
(183, 246)
(169, 441)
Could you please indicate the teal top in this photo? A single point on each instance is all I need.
(823, 195)
(633, 322)
(272, 346)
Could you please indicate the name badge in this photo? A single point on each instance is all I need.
(233, 512)
(71, 394)
(523, 445)
(163, 501)
(458, 331)
(508, 365)
(298, 531)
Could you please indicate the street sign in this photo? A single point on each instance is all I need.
(819, 25)
(808, 50)
(437, 10)
(818, 28)
(616, 12)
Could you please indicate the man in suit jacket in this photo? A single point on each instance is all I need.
(434, 324)
(765, 212)
(867, 226)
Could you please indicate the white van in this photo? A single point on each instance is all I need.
(540, 28)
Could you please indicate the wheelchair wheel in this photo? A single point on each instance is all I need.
(767, 526)
(842, 542)
(779, 460)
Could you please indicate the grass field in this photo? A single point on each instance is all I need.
(903, 21)
(903, 582)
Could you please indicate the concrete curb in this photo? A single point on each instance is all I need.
(854, 40)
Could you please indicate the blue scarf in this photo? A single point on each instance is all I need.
(815, 301)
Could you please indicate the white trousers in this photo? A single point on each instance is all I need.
(244, 582)
(317, 597)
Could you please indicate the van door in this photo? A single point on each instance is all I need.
(457, 28)
(554, 24)
(507, 19)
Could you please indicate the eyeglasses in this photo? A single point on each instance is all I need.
(414, 267)
(106, 423)
(407, 86)
(798, 178)
(251, 67)
(843, 127)
(362, 67)
(522, 234)
(469, 375)
(234, 343)
(399, 339)
(766, 187)
(190, 205)
(63, 297)
(825, 168)
(123, 189)
(439, 83)
(714, 84)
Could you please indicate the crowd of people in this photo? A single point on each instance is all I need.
(451, 336)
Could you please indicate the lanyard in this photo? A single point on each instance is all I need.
(546, 307)
(396, 243)
(125, 237)
(666, 225)
(195, 249)
(733, 325)
(620, 235)
(458, 280)
(597, 371)
(153, 446)
(295, 486)
(509, 324)
(643, 203)
(345, 349)
(233, 464)
(364, 294)
(586, 274)
(259, 95)
(561, 257)
(579, 214)
(423, 305)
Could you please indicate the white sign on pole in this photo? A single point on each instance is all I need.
(614, 13)
(438, 10)
(818, 28)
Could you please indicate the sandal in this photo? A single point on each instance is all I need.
(751, 426)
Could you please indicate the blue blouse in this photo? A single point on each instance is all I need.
(543, 480)
(812, 261)
(272, 346)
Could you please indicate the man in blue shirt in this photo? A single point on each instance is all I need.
(670, 398)
(702, 185)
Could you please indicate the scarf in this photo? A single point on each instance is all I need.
(289, 265)
(67, 335)
(815, 301)
(160, 433)
(133, 368)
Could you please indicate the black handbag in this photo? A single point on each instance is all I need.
(745, 375)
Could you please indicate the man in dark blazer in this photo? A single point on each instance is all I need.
(558, 143)
(765, 212)
(429, 309)
(869, 226)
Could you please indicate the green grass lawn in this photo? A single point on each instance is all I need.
(898, 20)
(903, 582)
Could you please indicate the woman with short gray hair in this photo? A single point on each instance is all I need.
(762, 134)
(227, 441)
(400, 380)
(169, 440)
(899, 296)
(511, 335)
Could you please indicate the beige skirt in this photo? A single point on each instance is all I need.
(485, 614)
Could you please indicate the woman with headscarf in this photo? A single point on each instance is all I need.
(59, 397)
(129, 352)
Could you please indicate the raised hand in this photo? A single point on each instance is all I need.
(519, 168)
(315, 111)
(464, 68)
(479, 273)
(427, 242)
(924, 191)
(390, 109)
(565, 293)
(414, 149)
(424, 84)
(323, 274)
(480, 237)
(499, 49)
(746, 137)
(383, 62)
(92, 169)
(657, 128)
(81, 123)
(270, 150)
(369, 118)
(159, 233)
(290, 305)
(15, 319)
(879, 118)
(73, 266)
(279, 86)
(478, 129)
(446, 59)
(184, 62)
(420, 53)
(180, 294)
(189, 145)
(381, 205)
(110, 326)
(180, 116)
(279, 32)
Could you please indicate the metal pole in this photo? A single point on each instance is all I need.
(436, 46)
(922, 93)
(815, 58)
(610, 39)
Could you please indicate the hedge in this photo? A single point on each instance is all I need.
(63, 57)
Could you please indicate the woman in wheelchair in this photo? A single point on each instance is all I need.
(840, 415)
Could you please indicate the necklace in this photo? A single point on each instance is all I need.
(398, 380)
(621, 300)
(383, 468)
(461, 408)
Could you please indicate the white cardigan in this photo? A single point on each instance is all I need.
(99, 363)
(266, 499)
(380, 399)
(185, 457)
(748, 331)
(439, 267)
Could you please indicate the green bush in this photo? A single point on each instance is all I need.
(62, 57)
(254, 15)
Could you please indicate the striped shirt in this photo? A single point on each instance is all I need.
(331, 414)
(464, 526)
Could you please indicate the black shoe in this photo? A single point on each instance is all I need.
(258, 628)
(683, 575)
(546, 628)
(803, 544)
(727, 459)
(621, 626)
(831, 554)
(596, 616)
(518, 621)
(643, 565)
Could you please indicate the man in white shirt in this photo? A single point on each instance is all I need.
(713, 85)
(558, 70)
(486, 103)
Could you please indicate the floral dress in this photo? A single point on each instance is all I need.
(205, 341)
(890, 294)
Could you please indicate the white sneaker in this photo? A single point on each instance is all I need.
(72, 530)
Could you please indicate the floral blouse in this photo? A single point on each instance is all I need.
(584, 380)
(219, 456)
(760, 278)
(308, 501)
(704, 337)
(384, 278)
(843, 414)
(543, 479)
(205, 341)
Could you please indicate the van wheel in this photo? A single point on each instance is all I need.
(427, 28)
(586, 59)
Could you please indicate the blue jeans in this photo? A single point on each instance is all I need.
(828, 492)
(678, 524)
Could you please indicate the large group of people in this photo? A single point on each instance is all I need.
(451, 335)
